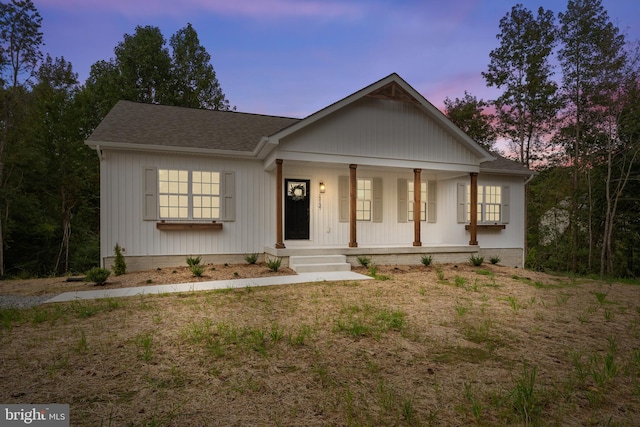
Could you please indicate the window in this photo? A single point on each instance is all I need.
(364, 200)
(188, 195)
(423, 200)
(206, 195)
(489, 203)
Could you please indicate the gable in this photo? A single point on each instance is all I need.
(388, 123)
(381, 127)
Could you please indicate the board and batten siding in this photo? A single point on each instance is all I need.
(381, 129)
(122, 202)
(326, 229)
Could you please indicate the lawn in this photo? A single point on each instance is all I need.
(439, 345)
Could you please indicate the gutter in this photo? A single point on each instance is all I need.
(99, 152)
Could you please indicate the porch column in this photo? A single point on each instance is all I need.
(279, 240)
(473, 225)
(417, 187)
(353, 195)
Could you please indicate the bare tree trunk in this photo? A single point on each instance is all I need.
(606, 254)
(63, 252)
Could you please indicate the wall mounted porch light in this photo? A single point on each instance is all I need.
(320, 193)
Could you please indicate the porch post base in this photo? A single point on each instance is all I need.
(473, 243)
(280, 246)
(417, 243)
(353, 244)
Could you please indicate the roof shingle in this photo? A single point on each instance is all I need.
(161, 125)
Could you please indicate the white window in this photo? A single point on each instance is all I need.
(206, 195)
(423, 200)
(489, 203)
(188, 195)
(364, 200)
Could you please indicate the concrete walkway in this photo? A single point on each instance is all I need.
(328, 276)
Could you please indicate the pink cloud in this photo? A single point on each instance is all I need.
(249, 8)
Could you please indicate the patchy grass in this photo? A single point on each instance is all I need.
(458, 346)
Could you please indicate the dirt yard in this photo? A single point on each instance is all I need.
(441, 345)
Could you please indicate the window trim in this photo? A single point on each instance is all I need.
(464, 204)
(150, 199)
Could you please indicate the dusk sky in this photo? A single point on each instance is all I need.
(294, 57)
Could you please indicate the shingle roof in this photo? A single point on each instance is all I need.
(504, 165)
(161, 125)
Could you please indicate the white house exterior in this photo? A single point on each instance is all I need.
(179, 182)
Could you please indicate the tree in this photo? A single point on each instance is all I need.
(470, 115)
(527, 108)
(20, 38)
(68, 163)
(592, 59)
(194, 82)
(144, 71)
(20, 41)
(144, 66)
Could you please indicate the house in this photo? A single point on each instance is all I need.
(381, 173)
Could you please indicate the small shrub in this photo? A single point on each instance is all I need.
(119, 264)
(98, 275)
(476, 260)
(494, 259)
(364, 261)
(196, 270)
(251, 258)
(426, 260)
(274, 263)
(191, 261)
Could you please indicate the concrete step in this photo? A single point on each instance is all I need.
(319, 263)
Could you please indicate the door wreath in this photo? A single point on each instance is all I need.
(297, 192)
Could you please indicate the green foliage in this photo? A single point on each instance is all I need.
(426, 260)
(251, 258)
(274, 263)
(521, 67)
(119, 264)
(364, 261)
(196, 270)
(193, 261)
(494, 259)
(470, 114)
(525, 399)
(476, 260)
(98, 275)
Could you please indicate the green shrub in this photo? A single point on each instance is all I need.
(274, 263)
(191, 261)
(364, 261)
(251, 259)
(196, 270)
(97, 275)
(476, 260)
(494, 259)
(119, 264)
(426, 260)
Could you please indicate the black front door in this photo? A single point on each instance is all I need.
(296, 209)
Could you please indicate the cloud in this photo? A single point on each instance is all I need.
(242, 8)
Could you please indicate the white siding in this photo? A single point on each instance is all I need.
(383, 129)
(122, 203)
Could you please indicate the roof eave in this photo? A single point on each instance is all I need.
(172, 149)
